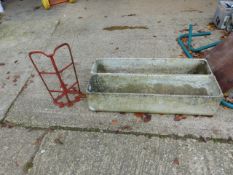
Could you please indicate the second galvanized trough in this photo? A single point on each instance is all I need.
(173, 94)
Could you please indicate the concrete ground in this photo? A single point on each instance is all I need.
(40, 138)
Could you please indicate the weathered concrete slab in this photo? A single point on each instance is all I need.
(27, 27)
(93, 42)
(11, 85)
(34, 108)
(82, 24)
(18, 146)
(22, 30)
(64, 152)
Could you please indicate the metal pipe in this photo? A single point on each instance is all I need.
(184, 48)
(199, 49)
(190, 35)
(185, 36)
(227, 104)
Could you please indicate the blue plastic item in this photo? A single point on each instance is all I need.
(199, 49)
(190, 35)
(205, 47)
(227, 104)
(186, 51)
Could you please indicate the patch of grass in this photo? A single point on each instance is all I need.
(28, 166)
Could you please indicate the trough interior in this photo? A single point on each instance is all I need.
(160, 84)
(152, 66)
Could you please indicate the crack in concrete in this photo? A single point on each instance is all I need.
(56, 26)
(26, 82)
(134, 133)
(14, 100)
(29, 164)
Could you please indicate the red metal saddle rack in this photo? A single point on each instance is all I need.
(65, 89)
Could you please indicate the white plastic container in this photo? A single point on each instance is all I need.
(223, 14)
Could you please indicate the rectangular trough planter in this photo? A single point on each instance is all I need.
(172, 94)
(151, 66)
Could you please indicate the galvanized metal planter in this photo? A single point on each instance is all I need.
(151, 66)
(153, 86)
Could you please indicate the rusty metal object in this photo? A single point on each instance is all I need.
(67, 90)
(220, 60)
